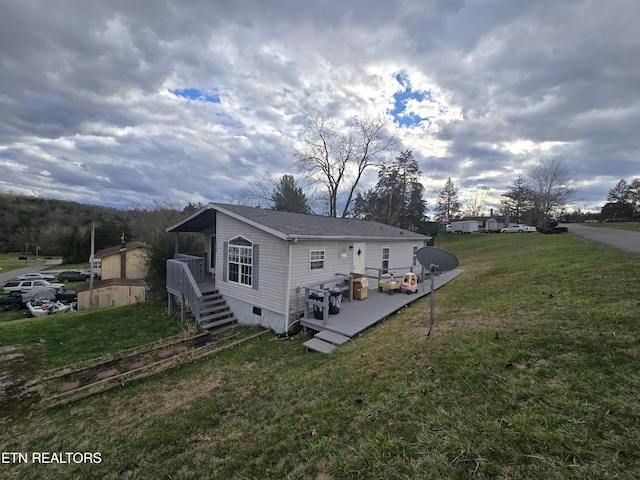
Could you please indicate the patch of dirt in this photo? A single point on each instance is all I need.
(19, 369)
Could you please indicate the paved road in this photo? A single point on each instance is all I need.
(625, 240)
(34, 267)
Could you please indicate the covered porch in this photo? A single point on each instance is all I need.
(359, 315)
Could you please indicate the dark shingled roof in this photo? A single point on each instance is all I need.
(288, 225)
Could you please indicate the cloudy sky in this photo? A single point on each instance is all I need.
(120, 102)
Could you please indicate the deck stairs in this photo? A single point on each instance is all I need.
(214, 311)
(325, 341)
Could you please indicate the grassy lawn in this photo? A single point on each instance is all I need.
(9, 261)
(70, 338)
(532, 373)
(634, 226)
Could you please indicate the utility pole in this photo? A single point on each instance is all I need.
(93, 247)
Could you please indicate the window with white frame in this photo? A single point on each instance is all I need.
(385, 259)
(316, 259)
(240, 261)
(415, 255)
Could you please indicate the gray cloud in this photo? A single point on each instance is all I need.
(88, 113)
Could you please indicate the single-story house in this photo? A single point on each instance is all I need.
(126, 260)
(260, 260)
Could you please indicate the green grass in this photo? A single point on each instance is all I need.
(73, 337)
(633, 226)
(531, 374)
(9, 262)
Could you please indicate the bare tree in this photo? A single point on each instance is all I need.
(338, 157)
(474, 206)
(552, 186)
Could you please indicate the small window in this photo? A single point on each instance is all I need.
(316, 259)
(415, 255)
(385, 259)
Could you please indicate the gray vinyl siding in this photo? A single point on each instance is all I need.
(271, 270)
(401, 255)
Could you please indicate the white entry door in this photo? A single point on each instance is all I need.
(358, 257)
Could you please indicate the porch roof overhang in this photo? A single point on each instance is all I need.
(196, 222)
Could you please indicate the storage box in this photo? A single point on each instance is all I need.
(360, 288)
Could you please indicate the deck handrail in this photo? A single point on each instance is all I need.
(180, 281)
(387, 270)
(196, 265)
(319, 287)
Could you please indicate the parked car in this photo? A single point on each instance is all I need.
(11, 301)
(73, 276)
(35, 276)
(26, 285)
(67, 296)
(518, 228)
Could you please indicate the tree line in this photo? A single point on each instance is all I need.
(623, 202)
(48, 227)
(334, 158)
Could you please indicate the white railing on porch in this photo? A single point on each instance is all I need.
(181, 282)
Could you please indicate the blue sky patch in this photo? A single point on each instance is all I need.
(400, 114)
(195, 94)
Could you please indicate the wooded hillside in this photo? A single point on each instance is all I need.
(60, 227)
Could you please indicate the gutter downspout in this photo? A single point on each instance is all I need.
(287, 302)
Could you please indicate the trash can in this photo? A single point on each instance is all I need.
(335, 299)
(317, 309)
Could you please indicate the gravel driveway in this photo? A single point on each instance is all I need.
(625, 240)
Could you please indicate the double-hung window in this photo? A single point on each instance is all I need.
(240, 261)
(385, 259)
(316, 259)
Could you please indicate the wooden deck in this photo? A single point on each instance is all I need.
(358, 315)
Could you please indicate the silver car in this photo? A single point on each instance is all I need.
(519, 228)
(35, 276)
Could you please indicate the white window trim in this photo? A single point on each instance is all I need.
(386, 269)
(317, 260)
(248, 254)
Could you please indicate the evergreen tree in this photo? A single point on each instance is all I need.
(623, 201)
(448, 205)
(289, 197)
(519, 200)
(397, 197)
